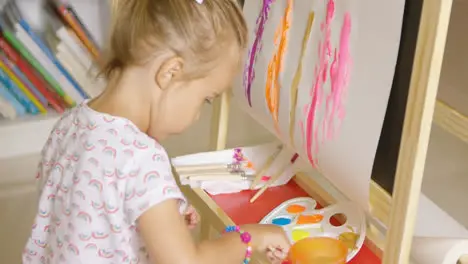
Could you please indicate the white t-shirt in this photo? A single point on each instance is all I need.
(98, 174)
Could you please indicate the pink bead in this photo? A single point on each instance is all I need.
(248, 254)
(237, 228)
(245, 237)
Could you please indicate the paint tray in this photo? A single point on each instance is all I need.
(300, 219)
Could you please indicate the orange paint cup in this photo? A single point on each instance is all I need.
(318, 250)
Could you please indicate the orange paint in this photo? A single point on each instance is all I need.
(295, 209)
(309, 219)
(249, 165)
(272, 86)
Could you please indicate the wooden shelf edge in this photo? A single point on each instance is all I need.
(451, 120)
(25, 135)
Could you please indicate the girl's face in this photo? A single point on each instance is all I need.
(179, 104)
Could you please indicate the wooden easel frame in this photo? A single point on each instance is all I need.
(398, 212)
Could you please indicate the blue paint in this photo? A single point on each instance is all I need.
(281, 221)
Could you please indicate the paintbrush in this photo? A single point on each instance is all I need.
(265, 167)
(273, 178)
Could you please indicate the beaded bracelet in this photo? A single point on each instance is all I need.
(246, 238)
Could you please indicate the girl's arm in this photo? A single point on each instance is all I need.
(169, 241)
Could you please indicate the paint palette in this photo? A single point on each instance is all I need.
(300, 219)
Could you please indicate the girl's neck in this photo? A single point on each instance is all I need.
(125, 96)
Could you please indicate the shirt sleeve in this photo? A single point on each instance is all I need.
(151, 183)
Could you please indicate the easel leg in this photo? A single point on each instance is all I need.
(206, 231)
(219, 122)
(435, 18)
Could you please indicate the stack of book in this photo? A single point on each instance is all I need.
(46, 71)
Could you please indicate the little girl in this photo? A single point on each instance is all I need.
(108, 194)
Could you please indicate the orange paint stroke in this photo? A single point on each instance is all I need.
(272, 87)
(309, 219)
(295, 209)
(297, 78)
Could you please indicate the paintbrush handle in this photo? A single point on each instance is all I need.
(274, 178)
(266, 166)
(269, 182)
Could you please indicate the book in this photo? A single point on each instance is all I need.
(94, 85)
(27, 83)
(6, 109)
(74, 67)
(82, 25)
(22, 95)
(40, 56)
(10, 100)
(39, 42)
(87, 77)
(53, 98)
(14, 17)
(15, 43)
(62, 10)
(59, 32)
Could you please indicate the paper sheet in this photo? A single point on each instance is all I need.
(318, 75)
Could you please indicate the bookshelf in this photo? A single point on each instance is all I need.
(21, 140)
(27, 134)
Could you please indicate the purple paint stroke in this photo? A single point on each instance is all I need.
(339, 77)
(249, 73)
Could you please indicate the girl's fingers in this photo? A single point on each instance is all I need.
(270, 257)
(279, 254)
(275, 254)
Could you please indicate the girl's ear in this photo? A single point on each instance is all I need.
(170, 68)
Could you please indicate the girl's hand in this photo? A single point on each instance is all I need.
(270, 240)
(191, 217)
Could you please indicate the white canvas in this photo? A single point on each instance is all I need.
(369, 33)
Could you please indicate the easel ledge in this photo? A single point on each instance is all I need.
(214, 219)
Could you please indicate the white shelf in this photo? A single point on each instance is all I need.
(25, 135)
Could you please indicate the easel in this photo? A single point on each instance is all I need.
(398, 212)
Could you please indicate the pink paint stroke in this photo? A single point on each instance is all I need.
(316, 93)
(249, 73)
(339, 77)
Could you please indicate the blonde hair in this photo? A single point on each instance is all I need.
(198, 33)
